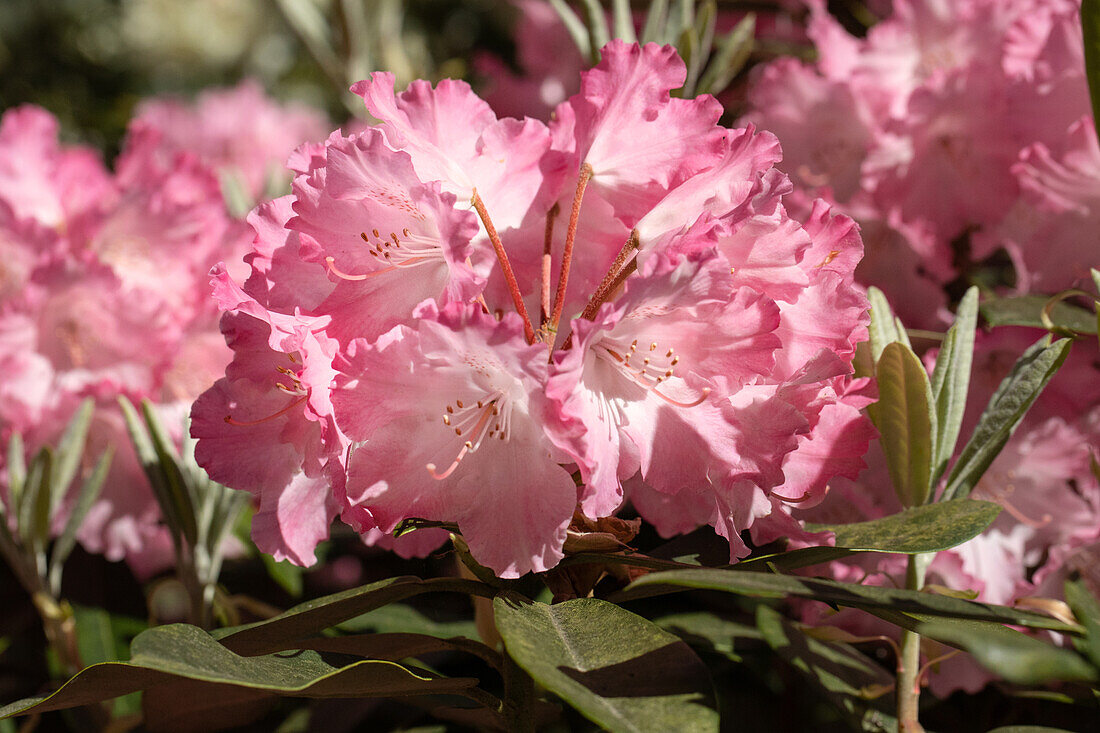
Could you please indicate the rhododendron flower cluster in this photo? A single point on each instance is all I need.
(492, 323)
(104, 290)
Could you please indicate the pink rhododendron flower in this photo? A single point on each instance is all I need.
(104, 296)
(667, 231)
(213, 128)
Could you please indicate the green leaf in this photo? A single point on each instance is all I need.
(847, 678)
(951, 380)
(733, 52)
(885, 329)
(398, 617)
(577, 30)
(70, 451)
(17, 473)
(705, 630)
(905, 422)
(1011, 655)
(1087, 611)
(1027, 310)
(1028, 729)
(86, 497)
(619, 670)
(867, 597)
(803, 557)
(1014, 396)
(623, 21)
(597, 25)
(1090, 28)
(312, 617)
(34, 499)
(928, 528)
(179, 492)
(396, 647)
(655, 21)
(178, 651)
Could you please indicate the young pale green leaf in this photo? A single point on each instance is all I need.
(87, 495)
(1011, 655)
(655, 21)
(34, 500)
(951, 380)
(17, 473)
(1014, 396)
(70, 451)
(623, 21)
(150, 463)
(920, 529)
(733, 53)
(577, 30)
(312, 617)
(179, 491)
(1087, 610)
(1090, 28)
(848, 679)
(884, 328)
(868, 597)
(906, 422)
(597, 26)
(619, 670)
(702, 41)
(180, 652)
(1028, 310)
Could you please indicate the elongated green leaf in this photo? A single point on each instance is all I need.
(848, 679)
(179, 493)
(396, 647)
(70, 449)
(906, 422)
(655, 21)
(165, 653)
(767, 585)
(1013, 398)
(17, 474)
(576, 28)
(803, 557)
(89, 492)
(1028, 729)
(705, 630)
(32, 503)
(312, 617)
(733, 52)
(597, 24)
(951, 380)
(1027, 310)
(1087, 610)
(400, 618)
(1011, 655)
(928, 528)
(623, 21)
(884, 328)
(1090, 27)
(619, 670)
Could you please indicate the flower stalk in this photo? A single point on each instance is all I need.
(909, 669)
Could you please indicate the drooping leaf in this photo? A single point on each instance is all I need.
(803, 557)
(906, 421)
(920, 529)
(1014, 396)
(619, 670)
(178, 651)
(312, 617)
(951, 380)
(1027, 310)
(769, 585)
(854, 684)
(1009, 654)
